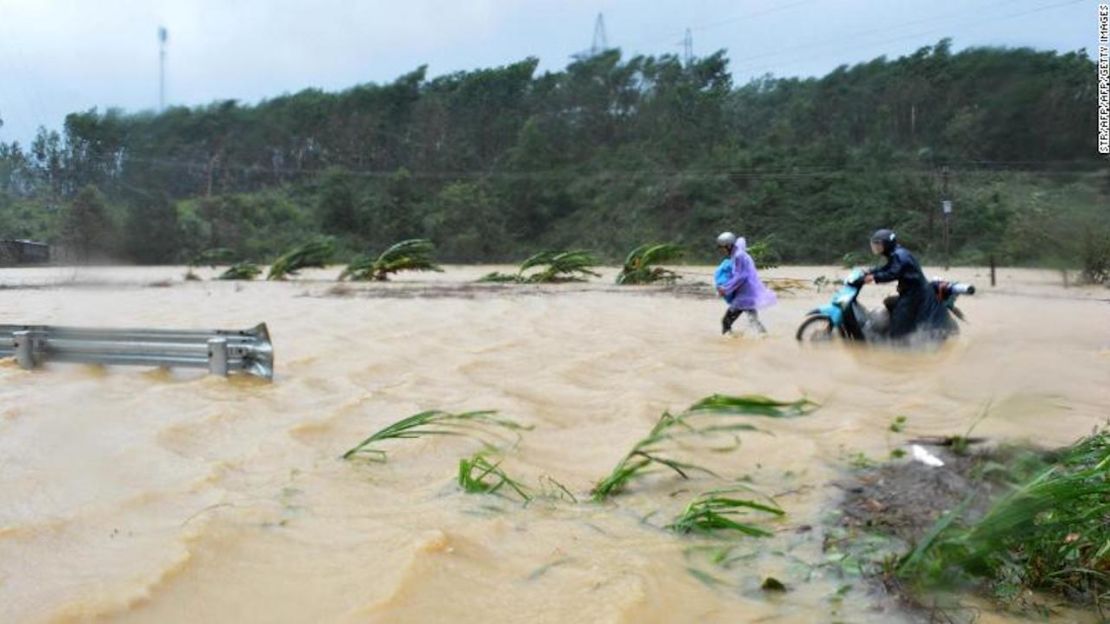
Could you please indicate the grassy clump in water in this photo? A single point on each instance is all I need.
(716, 511)
(478, 475)
(647, 453)
(753, 405)
(241, 271)
(474, 425)
(408, 255)
(641, 264)
(1051, 533)
(557, 267)
(653, 450)
(313, 254)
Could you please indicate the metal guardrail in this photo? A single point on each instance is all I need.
(220, 351)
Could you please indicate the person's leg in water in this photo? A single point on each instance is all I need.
(732, 314)
(903, 316)
(728, 319)
(753, 318)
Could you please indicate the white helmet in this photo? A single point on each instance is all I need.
(726, 239)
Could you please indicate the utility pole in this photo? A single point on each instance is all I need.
(162, 36)
(946, 209)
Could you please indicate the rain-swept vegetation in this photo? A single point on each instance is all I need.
(658, 451)
(712, 419)
(764, 255)
(610, 151)
(1050, 533)
(753, 405)
(550, 267)
(1096, 257)
(648, 453)
(481, 425)
(408, 255)
(313, 254)
(641, 265)
(718, 511)
(478, 475)
(241, 271)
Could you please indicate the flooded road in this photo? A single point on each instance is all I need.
(136, 495)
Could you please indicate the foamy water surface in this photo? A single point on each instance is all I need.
(169, 496)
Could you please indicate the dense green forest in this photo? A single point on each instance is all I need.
(610, 152)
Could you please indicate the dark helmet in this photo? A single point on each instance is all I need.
(887, 238)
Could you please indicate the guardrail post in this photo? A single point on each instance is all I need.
(24, 343)
(217, 356)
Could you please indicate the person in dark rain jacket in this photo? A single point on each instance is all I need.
(916, 306)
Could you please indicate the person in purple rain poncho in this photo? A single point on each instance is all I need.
(738, 282)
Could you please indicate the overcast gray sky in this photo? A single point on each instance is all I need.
(60, 56)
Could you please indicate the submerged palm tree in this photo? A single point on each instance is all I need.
(316, 253)
(241, 271)
(407, 255)
(558, 266)
(640, 266)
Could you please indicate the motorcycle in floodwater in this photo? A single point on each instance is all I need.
(846, 317)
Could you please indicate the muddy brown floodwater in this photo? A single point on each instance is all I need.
(135, 495)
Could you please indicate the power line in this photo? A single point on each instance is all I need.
(814, 170)
(793, 51)
(870, 31)
(718, 23)
(755, 68)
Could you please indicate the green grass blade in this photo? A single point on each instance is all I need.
(755, 405)
(478, 475)
(436, 422)
(714, 512)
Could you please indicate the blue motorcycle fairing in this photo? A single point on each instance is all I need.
(835, 314)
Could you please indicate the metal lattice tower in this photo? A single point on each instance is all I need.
(600, 41)
(688, 47)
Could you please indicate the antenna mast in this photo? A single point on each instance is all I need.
(163, 35)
